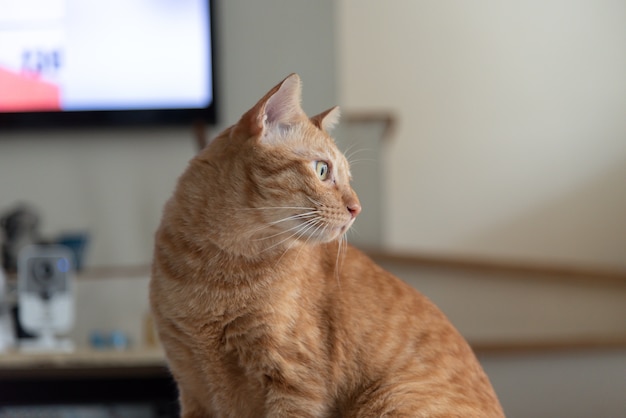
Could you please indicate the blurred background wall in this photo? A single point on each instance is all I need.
(511, 141)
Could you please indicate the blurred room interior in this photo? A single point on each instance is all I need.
(489, 149)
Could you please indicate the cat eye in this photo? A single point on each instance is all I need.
(322, 170)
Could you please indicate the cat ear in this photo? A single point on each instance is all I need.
(328, 119)
(279, 107)
(284, 105)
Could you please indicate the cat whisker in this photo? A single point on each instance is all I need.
(300, 231)
(318, 225)
(311, 230)
(349, 149)
(356, 152)
(282, 232)
(288, 218)
(343, 248)
(353, 231)
(362, 160)
(280, 207)
(338, 260)
(305, 228)
(316, 202)
(296, 216)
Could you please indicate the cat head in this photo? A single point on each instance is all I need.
(276, 179)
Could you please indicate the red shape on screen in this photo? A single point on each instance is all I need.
(23, 92)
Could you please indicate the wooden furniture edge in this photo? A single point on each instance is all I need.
(587, 274)
(153, 363)
(574, 273)
(83, 362)
(557, 345)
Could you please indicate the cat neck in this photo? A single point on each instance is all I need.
(248, 262)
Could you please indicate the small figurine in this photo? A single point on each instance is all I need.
(20, 228)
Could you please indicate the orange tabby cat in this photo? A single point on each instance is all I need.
(262, 308)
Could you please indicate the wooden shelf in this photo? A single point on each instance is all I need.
(102, 363)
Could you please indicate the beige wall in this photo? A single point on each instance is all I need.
(512, 135)
(511, 145)
(110, 183)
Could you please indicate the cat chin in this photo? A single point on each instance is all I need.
(346, 227)
(334, 234)
(328, 236)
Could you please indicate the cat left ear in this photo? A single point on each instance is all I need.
(280, 107)
(328, 119)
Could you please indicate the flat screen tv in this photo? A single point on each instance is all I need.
(106, 62)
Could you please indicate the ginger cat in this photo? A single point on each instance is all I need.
(262, 308)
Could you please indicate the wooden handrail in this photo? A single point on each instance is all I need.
(370, 116)
(515, 268)
(510, 268)
(617, 342)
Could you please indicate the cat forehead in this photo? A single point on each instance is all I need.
(303, 140)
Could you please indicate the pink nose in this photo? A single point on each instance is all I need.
(354, 209)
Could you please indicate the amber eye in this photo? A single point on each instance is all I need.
(322, 170)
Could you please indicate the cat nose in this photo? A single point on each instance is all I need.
(354, 208)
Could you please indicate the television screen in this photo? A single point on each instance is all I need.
(65, 62)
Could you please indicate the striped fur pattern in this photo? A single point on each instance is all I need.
(263, 309)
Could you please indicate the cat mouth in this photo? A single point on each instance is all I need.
(344, 228)
(328, 233)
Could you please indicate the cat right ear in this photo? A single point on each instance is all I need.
(328, 119)
(280, 107)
